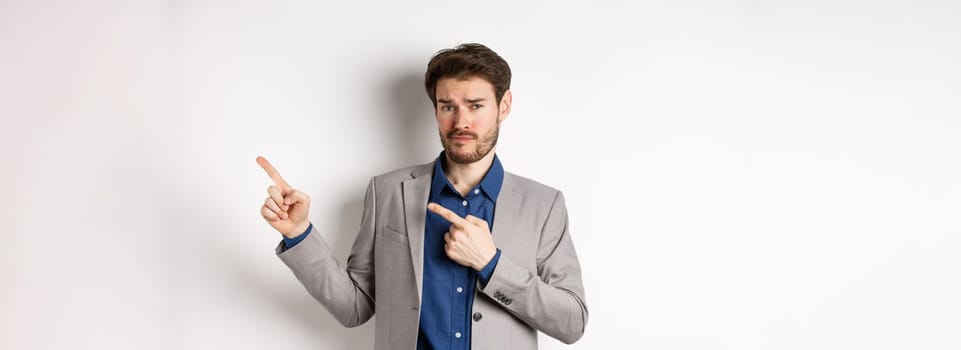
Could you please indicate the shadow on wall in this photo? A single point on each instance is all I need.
(410, 116)
(412, 138)
(301, 309)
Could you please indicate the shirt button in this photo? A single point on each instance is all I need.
(457, 335)
(464, 203)
(476, 191)
(460, 290)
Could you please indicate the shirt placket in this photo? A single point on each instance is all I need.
(461, 280)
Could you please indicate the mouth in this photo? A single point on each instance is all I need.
(461, 137)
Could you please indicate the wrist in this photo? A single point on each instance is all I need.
(486, 260)
(298, 230)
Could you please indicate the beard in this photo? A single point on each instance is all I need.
(482, 146)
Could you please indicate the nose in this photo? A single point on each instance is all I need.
(462, 119)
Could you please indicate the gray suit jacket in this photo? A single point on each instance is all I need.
(535, 286)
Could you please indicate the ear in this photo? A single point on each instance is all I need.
(505, 107)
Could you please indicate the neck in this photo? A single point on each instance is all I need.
(465, 177)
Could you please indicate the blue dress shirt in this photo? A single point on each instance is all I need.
(448, 290)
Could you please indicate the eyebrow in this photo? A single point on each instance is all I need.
(469, 100)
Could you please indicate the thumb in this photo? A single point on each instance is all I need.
(477, 221)
(296, 197)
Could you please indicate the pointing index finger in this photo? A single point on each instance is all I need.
(274, 175)
(447, 214)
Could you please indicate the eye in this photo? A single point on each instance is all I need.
(447, 108)
(476, 106)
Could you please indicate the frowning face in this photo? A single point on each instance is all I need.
(468, 117)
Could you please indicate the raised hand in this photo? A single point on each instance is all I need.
(285, 208)
(469, 241)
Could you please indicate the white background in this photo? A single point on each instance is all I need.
(739, 174)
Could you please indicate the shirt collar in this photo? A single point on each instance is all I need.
(490, 185)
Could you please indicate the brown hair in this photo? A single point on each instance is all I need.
(464, 61)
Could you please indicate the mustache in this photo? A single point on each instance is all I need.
(458, 133)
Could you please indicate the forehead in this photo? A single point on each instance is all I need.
(462, 88)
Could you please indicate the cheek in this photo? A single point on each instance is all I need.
(485, 121)
(444, 123)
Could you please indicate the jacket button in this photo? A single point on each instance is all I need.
(507, 302)
(477, 316)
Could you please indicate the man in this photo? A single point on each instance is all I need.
(453, 254)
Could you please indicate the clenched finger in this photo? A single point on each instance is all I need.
(272, 205)
(268, 214)
(276, 195)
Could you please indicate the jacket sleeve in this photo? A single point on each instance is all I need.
(552, 299)
(348, 294)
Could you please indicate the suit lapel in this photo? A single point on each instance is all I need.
(505, 213)
(416, 191)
